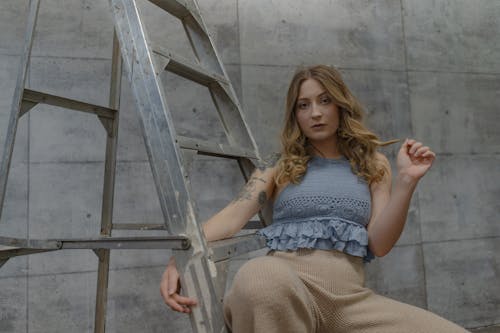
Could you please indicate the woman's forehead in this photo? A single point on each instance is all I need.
(310, 88)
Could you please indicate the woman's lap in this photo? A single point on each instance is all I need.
(272, 290)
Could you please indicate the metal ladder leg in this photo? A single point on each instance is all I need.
(165, 160)
(16, 110)
(111, 126)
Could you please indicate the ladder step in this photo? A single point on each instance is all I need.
(13, 247)
(10, 247)
(232, 247)
(187, 69)
(215, 149)
(7, 252)
(253, 225)
(138, 226)
(162, 242)
(31, 98)
(6, 242)
(175, 7)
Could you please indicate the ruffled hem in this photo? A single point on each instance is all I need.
(319, 233)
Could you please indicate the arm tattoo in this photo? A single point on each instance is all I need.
(246, 191)
(268, 161)
(262, 198)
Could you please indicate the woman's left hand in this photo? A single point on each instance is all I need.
(414, 159)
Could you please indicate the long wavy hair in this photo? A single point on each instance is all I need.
(355, 141)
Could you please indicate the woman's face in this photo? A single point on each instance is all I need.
(317, 115)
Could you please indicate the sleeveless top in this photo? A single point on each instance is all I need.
(329, 210)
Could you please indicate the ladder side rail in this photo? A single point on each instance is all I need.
(17, 100)
(159, 135)
(233, 122)
(157, 127)
(223, 94)
(32, 97)
(108, 189)
(174, 7)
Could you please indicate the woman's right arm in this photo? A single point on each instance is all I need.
(248, 202)
(227, 222)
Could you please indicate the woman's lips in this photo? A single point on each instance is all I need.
(318, 126)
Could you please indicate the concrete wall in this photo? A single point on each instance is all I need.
(427, 69)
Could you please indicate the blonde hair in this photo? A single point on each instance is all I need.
(355, 141)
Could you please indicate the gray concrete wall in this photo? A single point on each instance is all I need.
(428, 69)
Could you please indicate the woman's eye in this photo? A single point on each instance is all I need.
(302, 105)
(325, 100)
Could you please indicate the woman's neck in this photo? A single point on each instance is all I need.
(324, 149)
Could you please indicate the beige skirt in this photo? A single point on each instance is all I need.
(318, 291)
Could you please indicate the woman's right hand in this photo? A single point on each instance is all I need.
(170, 287)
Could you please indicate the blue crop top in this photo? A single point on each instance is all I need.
(329, 209)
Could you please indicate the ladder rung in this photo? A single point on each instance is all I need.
(6, 253)
(187, 69)
(174, 7)
(6, 242)
(164, 242)
(138, 226)
(253, 225)
(31, 96)
(13, 247)
(10, 247)
(217, 149)
(232, 247)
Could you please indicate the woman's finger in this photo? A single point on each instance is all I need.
(429, 155)
(421, 150)
(411, 141)
(182, 300)
(414, 147)
(164, 286)
(173, 280)
(174, 305)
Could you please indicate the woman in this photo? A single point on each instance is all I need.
(334, 209)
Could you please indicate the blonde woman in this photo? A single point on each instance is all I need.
(335, 209)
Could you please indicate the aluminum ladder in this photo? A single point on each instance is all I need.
(202, 266)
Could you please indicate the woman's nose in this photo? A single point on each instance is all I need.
(316, 112)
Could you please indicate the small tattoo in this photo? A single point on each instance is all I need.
(246, 191)
(262, 198)
(268, 161)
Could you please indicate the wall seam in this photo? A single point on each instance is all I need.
(238, 33)
(416, 195)
(28, 171)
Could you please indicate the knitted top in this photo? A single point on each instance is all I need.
(329, 209)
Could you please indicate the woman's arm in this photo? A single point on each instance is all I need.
(224, 224)
(389, 210)
(249, 201)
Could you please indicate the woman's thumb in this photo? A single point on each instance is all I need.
(173, 280)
